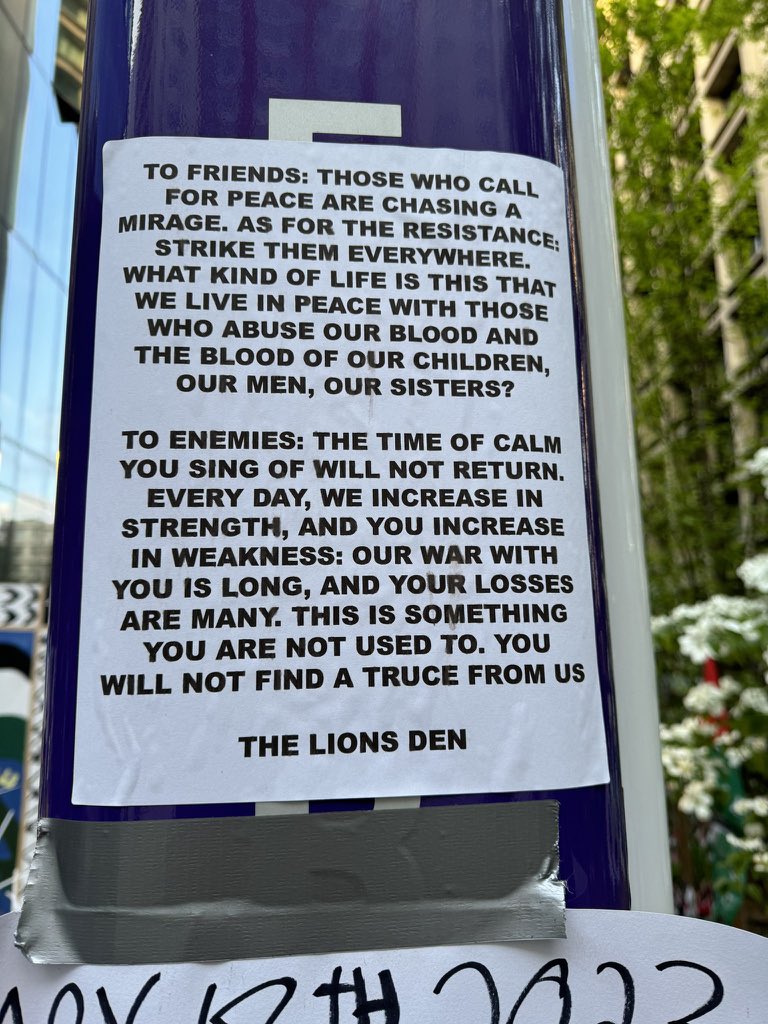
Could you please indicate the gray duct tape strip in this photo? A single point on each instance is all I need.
(233, 888)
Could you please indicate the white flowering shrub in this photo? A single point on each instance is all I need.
(715, 741)
(723, 628)
(758, 466)
(753, 573)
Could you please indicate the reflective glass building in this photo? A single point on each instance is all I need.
(41, 49)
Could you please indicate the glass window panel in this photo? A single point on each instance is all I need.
(49, 491)
(28, 535)
(77, 10)
(7, 498)
(33, 149)
(46, 33)
(57, 200)
(7, 502)
(15, 307)
(46, 339)
(57, 374)
(21, 13)
(14, 73)
(9, 467)
(34, 481)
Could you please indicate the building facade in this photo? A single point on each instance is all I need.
(41, 50)
(729, 82)
(687, 110)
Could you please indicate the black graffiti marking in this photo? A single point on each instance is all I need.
(12, 1005)
(106, 1009)
(714, 1000)
(364, 1007)
(560, 979)
(490, 984)
(289, 985)
(554, 971)
(73, 990)
(629, 990)
(205, 1009)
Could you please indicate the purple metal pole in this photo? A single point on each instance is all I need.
(480, 75)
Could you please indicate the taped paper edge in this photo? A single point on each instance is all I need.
(242, 888)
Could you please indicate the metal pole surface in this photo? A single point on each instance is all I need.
(650, 872)
(473, 76)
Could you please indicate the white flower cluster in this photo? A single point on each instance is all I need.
(706, 699)
(737, 756)
(690, 730)
(754, 698)
(697, 799)
(729, 687)
(753, 573)
(728, 738)
(757, 805)
(694, 769)
(702, 627)
(700, 752)
(758, 466)
(749, 845)
(753, 839)
(683, 762)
